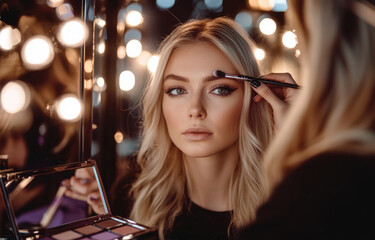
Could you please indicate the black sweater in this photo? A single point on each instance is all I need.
(331, 196)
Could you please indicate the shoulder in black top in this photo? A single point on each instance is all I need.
(331, 196)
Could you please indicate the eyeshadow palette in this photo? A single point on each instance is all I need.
(38, 208)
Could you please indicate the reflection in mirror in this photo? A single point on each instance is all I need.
(40, 104)
(42, 200)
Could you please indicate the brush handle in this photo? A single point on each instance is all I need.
(272, 82)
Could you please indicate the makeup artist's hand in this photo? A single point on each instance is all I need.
(83, 186)
(278, 97)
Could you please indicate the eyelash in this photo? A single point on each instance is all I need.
(228, 91)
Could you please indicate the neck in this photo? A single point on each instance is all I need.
(209, 180)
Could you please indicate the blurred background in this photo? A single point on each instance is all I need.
(72, 71)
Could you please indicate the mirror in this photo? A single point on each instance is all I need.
(39, 202)
(41, 81)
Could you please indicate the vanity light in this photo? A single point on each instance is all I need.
(15, 97)
(134, 18)
(37, 52)
(267, 26)
(69, 108)
(126, 81)
(259, 54)
(289, 39)
(73, 33)
(9, 38)
(153, 63)
(133, 48)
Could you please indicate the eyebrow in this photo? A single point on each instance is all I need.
(183, 79)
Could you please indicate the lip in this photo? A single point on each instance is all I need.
(197, 134)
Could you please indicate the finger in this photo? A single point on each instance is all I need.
(266, 93)
(257, 98)
(96, 202)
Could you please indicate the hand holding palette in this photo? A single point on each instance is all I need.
(38, 208)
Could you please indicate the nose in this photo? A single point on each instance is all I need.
(197, 109)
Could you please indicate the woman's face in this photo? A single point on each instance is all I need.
(202, 112)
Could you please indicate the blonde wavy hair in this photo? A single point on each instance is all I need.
(160, 190)
(334, 111)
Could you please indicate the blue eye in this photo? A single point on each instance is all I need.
(175, 91)
(223, 91)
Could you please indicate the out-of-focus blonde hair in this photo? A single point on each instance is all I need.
(335, 108)
(160, 191)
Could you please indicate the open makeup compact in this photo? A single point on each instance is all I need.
(37, 208)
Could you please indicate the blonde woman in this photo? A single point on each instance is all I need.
(203, 137)
(321, 166)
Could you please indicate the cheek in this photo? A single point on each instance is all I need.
(170, 114)
(230, 117)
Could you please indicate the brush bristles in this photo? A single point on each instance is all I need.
(219, 74)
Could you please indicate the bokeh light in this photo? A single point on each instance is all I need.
(267, 26)
(73, 33)
(133, 48)
(289, 39)
(65, 11)
(9, 38)
(259, 54)
(133, 34)
(101, 47)
(165, 4)
(134, 18)
(121, 52)
(126, 81)
(213, 4)
(54, 3)
(37, 52)
(119, 137)
(245, 20)
(15, 97)
(152, 63)
(69, 107)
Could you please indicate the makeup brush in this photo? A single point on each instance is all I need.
(221, 74)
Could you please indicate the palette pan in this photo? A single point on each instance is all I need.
(37, 208)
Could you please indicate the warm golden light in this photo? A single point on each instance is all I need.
(101, 48)
(119, 137)
(134, 18)
(289, 39)
(152, 63)
(88, 66)
(73, 33)
(121, 52)
(14, 97)
(54, 3)
(267, 26)
(126, 81)
(37, 52)
(69, 107)
(133, 48)
(9, 38)
(259, 54)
